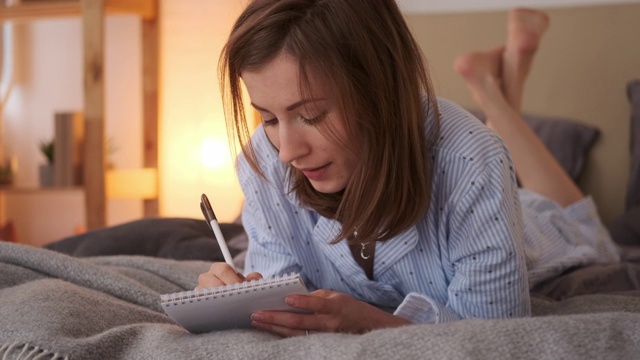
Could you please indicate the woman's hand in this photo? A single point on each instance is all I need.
(330, 312)
(222, 274)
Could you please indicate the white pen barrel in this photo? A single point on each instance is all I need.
(222, 243)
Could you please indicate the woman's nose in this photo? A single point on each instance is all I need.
(293, 144)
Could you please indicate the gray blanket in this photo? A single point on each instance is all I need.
(56, 306)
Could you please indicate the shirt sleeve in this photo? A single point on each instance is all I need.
(267, 252)
(485, 245)
(421, 309)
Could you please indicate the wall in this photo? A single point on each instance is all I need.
(441, 6)
(193, 33)
(583, 65)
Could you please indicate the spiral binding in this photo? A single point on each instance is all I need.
(228, 290)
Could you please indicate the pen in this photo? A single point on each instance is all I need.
(210, 216)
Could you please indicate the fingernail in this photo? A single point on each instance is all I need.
(257, 317)
(290, 300)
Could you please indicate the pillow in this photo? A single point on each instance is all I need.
(625, 229)
(633, 189)
(568, 141)
(173, 238)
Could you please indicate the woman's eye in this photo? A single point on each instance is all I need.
(314, 120)
(270, 122)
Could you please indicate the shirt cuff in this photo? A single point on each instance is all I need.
(421, 309)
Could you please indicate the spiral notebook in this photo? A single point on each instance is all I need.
(231, 306)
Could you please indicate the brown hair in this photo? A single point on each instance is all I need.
(365, 51)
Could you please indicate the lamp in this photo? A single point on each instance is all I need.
(215, 154)
(132, 183)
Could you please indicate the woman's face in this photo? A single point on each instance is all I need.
(290, 123)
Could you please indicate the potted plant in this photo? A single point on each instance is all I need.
(7, 166)
(46, 170)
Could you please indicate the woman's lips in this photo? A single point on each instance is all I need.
(316, 174)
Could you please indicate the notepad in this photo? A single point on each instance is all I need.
(231, 306)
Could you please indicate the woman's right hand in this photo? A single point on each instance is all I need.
(221, 274)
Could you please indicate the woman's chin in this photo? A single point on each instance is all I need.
(326, 187)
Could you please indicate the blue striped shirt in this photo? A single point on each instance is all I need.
(466, 258)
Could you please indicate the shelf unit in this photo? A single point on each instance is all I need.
(93, 13)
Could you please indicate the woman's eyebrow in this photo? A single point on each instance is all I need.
(302, 102)
(290, 107)
(259, 108)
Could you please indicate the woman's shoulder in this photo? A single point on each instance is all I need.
(462, 137)
(266, 156)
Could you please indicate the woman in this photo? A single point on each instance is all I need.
(396, 207)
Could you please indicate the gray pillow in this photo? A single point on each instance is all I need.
(569, 141)
(174, 238)
(625, 229)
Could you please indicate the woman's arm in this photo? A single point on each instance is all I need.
(485, 248)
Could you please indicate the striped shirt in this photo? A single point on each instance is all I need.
(467, 258)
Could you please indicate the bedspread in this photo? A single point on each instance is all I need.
(56, 306)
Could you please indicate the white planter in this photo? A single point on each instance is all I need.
(46, 175)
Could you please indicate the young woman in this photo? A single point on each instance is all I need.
(396, 207)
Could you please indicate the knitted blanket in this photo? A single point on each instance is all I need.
(53, 306)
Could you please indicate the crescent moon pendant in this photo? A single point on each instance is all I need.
(362, 252)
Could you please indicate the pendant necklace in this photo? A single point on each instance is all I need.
(362, 252)
(363, 246)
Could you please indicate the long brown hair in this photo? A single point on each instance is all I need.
(365, 51)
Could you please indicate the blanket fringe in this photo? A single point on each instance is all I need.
(24, 351)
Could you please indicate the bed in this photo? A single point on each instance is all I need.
(96, 295)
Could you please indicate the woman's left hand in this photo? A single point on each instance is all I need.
(330, 312)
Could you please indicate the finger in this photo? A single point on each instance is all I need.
(253, 276)
(219, 274)
(293, 321)
(208, 280)
(323, 293)
(226, 273)
(279, 330)
(320, 301)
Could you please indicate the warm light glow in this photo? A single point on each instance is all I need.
(132, 184)
(215, 154)
(194, 151)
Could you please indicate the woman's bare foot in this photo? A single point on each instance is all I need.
(476, 66)
(481, 72)
(525, 29)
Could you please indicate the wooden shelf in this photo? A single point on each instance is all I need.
(7, 189)
(145, 9)
(92, 13)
